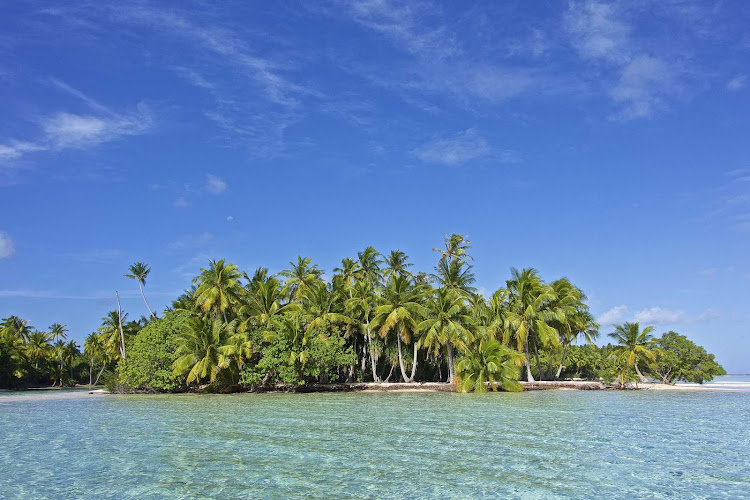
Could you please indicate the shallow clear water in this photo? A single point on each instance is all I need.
(680, 444)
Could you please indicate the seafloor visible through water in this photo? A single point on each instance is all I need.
(573, 444)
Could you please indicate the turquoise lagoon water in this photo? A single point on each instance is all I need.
(564, 444)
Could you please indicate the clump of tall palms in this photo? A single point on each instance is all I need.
(490, 365)
(385, 319)
(634, 345)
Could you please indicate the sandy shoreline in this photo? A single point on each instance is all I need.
(717, 386)
(400, 387)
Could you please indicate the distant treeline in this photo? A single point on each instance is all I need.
(374, 320)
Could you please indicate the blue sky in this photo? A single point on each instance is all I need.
(606, 142)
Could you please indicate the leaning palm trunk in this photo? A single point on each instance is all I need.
(145, 301)
(451, 370)
(96, 382)
(91, 374)
(527, 362)
(414, 364)
(375, 377)
(401, 359)
(119, 321)
(562, 362)
(640, 375)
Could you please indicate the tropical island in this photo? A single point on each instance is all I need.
(376, 320)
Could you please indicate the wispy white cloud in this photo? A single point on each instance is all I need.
(67, 130)
(193, 77)
(14, 150)
(96, 295)
(64, 130)
(658, 315)
(461, 148)
(93, 104)
(440, 64)
(465, 146)
(215, 185)
(653, 316)
(181, 202)
(643, 87)
(730, 203)
(191, 241)
(613, 316)
(602, 33)
(6, 246)
(221, 42)
(597, 32)
(737, 83)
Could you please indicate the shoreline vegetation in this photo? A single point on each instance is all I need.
(375, 325)
(398, 387)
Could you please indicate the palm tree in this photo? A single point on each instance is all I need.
(446, 325)
(302, 274)
(319, 308)
(218, 288)
(633, 344)
(528, 314)
(361, 306)
(139, 271)
(456, 247)
(264, 301)
(199, 349)
(94, 348)
(493, 364)
(111, 335)
(400, 312)
(456, 275)
(238, 347)
(576, 320)
(70, 352)
(346, 274)
(16, 327)
(58, 332)
(397, 263)
(38, 346)
(369, 266)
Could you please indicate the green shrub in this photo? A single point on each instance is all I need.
(149, 357)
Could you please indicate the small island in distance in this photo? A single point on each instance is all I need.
(377, 324)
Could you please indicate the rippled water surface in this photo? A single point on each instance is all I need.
(680, 444)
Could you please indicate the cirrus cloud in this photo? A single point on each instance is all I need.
(6, 246)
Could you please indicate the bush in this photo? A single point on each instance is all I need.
(281, 361)
(149, 357)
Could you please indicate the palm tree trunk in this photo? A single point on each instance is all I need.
(451, 372)
(640, 375)
(91, 368)
(529, 376)
(119, 321)
(562, 362)
(414, 364)
(144, 300)
(363, 359)
(104, 365)
(400, 358)
(61, 368)
(375, 377)
(388, 378)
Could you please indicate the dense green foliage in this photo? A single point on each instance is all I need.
(374, 320)
(678, 359)
(150, 355)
